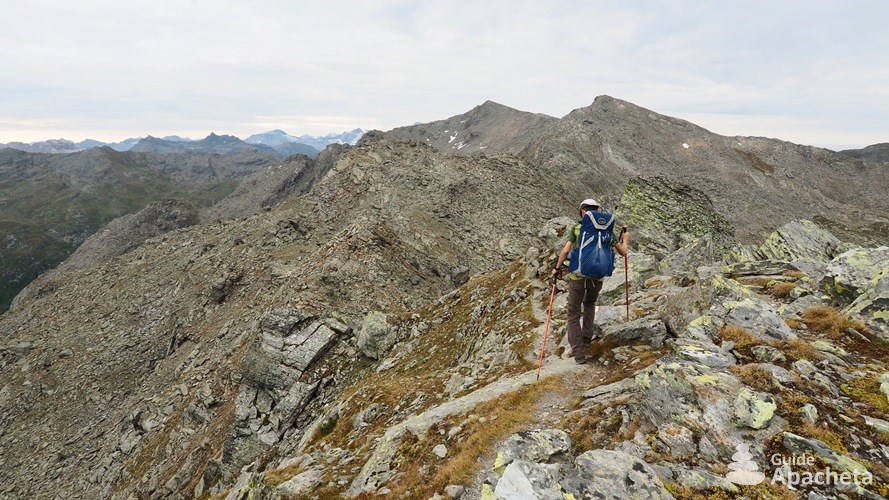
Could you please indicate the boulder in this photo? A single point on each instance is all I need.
(288, 342)
(376, 336)
(535, 446)
(300, 484)
(615, 474)
(800, 240)
(855, 272)
(877, 424)
(704, 251)
(754, 409)
(704, 352)
(611, 394)
(779, 376)
(810, 413)
(712, 403)
(553, 234)
(799, 306)
(652, 331)
(798, 444)
(767, 354)
(700, 480)
(523, 479)
(873, 304)
(761, 319)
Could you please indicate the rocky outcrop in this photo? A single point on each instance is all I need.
(797, 241)
(274, 389)
(666, 216)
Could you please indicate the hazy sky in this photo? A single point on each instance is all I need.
(812, 72)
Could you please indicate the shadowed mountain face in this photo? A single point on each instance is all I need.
(49, 204)
(368, 321)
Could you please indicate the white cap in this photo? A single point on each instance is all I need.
(589, 202)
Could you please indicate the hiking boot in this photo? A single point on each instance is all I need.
(580, 361)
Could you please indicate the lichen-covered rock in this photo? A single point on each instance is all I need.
(757, 268)
(376, 336)
(761, 319)
(653, 331)
(798, 444)
(711, 402)
(704, 352)
(754, 409)
(665, 216)
(799, 306)
(678, 439)
(873, 304)
(800, 240)
(855, 272)
(700, 480)
(523, 479)
(767, 354)
(535, 446)
(641, 267)
(702, 302)
(703, 251)
(615, 474)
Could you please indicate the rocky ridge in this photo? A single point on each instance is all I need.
(373, 330)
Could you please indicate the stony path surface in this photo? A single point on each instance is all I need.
(418, 424)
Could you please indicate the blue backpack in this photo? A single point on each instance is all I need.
(593, 254)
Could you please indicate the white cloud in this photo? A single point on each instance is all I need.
(228, 66)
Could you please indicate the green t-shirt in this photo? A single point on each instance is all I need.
(573, 234)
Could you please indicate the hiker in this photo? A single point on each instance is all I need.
(583, 291)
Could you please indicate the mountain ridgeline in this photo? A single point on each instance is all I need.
(275, 142)
(366, 323)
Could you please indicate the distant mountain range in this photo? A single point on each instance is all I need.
(276, 142)
(276, 138)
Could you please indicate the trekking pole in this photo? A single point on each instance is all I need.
(626, 272)
(549, 314)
